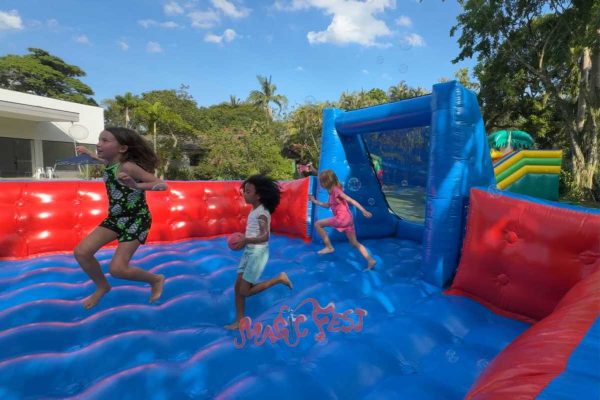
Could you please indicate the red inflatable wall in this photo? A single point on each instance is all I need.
(45, 217)
(541, 353)
(521, 257)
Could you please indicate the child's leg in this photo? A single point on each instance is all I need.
(240, 303)
(84, 254)
(319, 226)
(351, 235)
(247, 289)
(120, 268)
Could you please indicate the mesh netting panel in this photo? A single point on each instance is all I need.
(400, 159)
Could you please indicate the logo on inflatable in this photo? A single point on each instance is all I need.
(291, 328)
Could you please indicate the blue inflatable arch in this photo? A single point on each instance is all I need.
(458, 159)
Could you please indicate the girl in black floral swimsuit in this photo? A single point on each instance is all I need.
(129, 173)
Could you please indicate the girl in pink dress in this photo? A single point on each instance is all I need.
(342, 218)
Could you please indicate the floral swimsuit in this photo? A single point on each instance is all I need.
(128, 213)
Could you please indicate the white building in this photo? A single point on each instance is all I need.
(37, 131)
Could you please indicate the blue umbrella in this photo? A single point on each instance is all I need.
(82, 159)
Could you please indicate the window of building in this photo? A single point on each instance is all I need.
(16, 158)
(54, 151)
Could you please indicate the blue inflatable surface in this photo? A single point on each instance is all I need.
(386, 333)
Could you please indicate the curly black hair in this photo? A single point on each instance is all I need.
(267, 189)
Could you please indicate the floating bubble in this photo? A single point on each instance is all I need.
(482, 364)
(354, 184)
(452, 357)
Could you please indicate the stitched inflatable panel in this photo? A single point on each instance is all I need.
(521, 256)
(389, 335)
(564, 344)
(43, 217)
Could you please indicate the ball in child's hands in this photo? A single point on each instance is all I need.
(235, 241)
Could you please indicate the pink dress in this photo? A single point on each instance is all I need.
(342, 217)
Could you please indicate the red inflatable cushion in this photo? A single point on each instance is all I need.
(520, 257)
(45, 217)
(541, 353)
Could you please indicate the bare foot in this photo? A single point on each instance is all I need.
(326, 250)
(233, 326)
(283, 278)
(371, 264)
(157, 288)
(92, 300)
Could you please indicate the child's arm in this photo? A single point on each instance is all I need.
(317, 202)
(356, 204)
(136, 177)
(263, 234)
(85, 150)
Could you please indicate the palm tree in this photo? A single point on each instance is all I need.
(128, 102)
(234, 101)
(151, 114)
(262, 98)
(402, 91)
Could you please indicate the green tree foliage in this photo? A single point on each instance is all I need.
(539, 69)
(236, 153)
(168, 117)
(402, 91)
(462, 76)
(355, 100)
(303, 127)
(263, 97)
(43, 74)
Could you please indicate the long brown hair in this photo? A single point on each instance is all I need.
(329, 179)
(138, 148)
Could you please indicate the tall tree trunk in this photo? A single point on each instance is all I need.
(168, 162)
(584, 132)
(126, 117)
(154, 136)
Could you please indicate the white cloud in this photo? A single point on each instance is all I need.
(173, 8)
(413, 39)
(34, 23)
(81, 39)
(227, 36)
(229, 9)
(154, 47)
(149, 23)
(10, 20)
(293, 5)
(365, 71)
(404, 21)
(299, 68)
(204, 19)
(353, 21)
(169, 25)
(123, 45)
(53, 24)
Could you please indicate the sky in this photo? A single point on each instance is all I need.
(313, 50)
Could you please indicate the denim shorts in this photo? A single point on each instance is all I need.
(253, 263)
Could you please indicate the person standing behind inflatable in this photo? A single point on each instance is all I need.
(263, 194)
(130, 164)
(342, 218)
